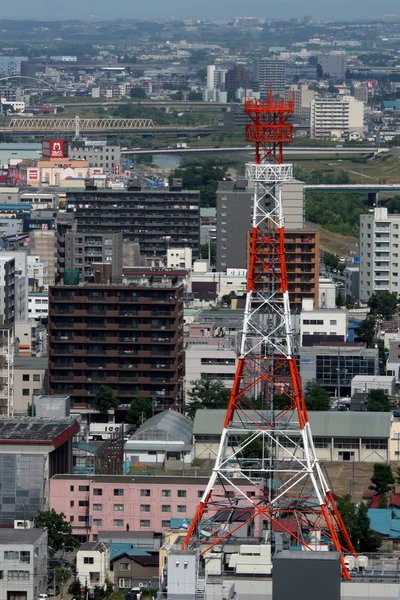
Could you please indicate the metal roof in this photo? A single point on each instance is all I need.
(20, 536)
(168, 425)
(129, 549)
(34, 430)
(323, 423)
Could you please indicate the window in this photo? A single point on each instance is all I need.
(71, 504)
(181, 493)
(83, 488)
(21, 575)
(118, 508)
(145, 492)
(83, 519)
(118, 492)
(25, 392)
(166, 508)
(144, 523)
(97, 492)
(333, 322)
(83, 502)
(1, 574)
(97, 522)
(11, 555)
(88, 560)
(166, 523)
(346, 443)
(71, 488)
(125, 582)
(118, 523)
(124, 566)
(97, 507)
(181, 508)
(36, 377)
(166, 493)
(145, 508)
(25, 556)
(72, 518)
(25, 377)
(200, 493)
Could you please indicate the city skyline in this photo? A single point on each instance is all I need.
(179, 9)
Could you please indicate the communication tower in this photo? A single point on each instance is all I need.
(267, 477)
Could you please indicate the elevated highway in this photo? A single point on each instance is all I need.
(290, 151)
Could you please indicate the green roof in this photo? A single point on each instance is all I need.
(208, 212)
(324, 423)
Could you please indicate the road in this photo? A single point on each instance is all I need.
(290, 151)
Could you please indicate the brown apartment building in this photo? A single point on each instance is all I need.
(128, 337)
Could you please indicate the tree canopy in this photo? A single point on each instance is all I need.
(204, 178)
(357, 524)
(382, 480)
(365, 332)
(206, 393)
(383, 303)
(59, 530)
(316, 397)
(378, 401)
(105, 399)
(139, 411)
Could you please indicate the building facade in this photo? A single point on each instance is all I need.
(23, 563)
(379, 253)
(333, 65)
(331, 117)
(93, 564)
(156, 219)
(129, 337)
(218, 362)
(29, 381)
(84, 249)
(103, 156)
(271, 73)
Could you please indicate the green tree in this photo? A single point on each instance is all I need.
(59, 531)
(282, 401)
(383, 303)
(365, 332)
(339, 299)
(204, 249)
(138, 93)
(208, 393)
(378, 401)
(31, 411)
(139, 411)
(357, 524)
(382, 480)
(75, 589)
(316, 397)
(105, 399)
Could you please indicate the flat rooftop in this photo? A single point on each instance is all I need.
(20, 536)
(32, 430)
(39, 363)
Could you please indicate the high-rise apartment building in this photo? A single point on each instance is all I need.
(84, 249)
(237, 77)
(379, 253)
(339, 115)
(156, 219)
(128, 337)
(333, 65)
(271, 72)
(234, 205)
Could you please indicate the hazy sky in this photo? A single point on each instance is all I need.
(219, 9)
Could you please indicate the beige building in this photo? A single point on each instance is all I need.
(343, 114)
(29, 381)
(303, 98)
(68, 173)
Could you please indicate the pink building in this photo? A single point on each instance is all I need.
(124, 503)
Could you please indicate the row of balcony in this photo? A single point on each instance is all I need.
(61, 338)
(65, 295)
(160, 365)
(66, 324)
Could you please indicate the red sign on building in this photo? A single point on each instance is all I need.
(55, 149)
(33, 174)
(117, 170)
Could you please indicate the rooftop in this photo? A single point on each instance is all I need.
(31, 430)
(166, 426)
(20, 536)
(93, 546)
(39, 363)
(323, 423)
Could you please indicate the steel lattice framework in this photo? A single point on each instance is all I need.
(74, 124)
(267, 466)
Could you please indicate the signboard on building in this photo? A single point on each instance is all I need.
(55, 149)
(117, 170)
(33, 174)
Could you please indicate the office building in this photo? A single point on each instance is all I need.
(234, 211)
(214, 95)
(84, 249)
(129, 337)
(23, 562)
(271, 72)
(7, 291)
(331, 118)
(333, 65)
(27, 465)
(361, 93)
(237, 77)
(321, 323)
(334, 366)
(156, 219)
(379, 253)
(218, 362)
(179, 258)
(210, 77)
(97, 155)
(302, 97)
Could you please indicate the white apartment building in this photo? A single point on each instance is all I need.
(332, 117)
(38, 272)
(93, 564)
(326, 293)
(320, 321)
(23, 562)
(179, 258)
(38, 305)
(362, 384)
(379, 253)
(217, 361)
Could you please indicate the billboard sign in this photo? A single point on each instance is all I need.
(33, 174)
(55, 149)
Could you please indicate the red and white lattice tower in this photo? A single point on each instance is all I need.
(267, 476)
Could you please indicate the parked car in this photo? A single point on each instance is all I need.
(43, 597)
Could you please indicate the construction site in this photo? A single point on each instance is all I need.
(267, 525)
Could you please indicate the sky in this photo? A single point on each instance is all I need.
(206, 9)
